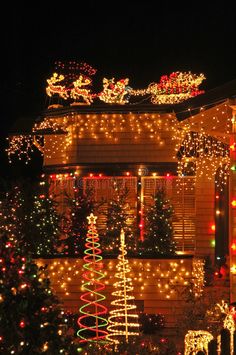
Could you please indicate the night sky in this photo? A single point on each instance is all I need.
(141, 41)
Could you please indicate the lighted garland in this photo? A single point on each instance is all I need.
(61, 132)
(92, 310)
(23, 146)
(201, 154)
(123, 324)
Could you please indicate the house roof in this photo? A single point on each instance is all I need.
(209, 99)
(183, 110)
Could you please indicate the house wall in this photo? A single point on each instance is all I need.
(159, 284)
(129, 139)
(94, 139)
(205, 216)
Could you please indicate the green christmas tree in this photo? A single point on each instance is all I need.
(11, 222)
(30, 216)
(159, 231)
(43, 232)
(118, 217)
(31, 318)
(81, 205)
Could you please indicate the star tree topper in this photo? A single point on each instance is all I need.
(92, 219)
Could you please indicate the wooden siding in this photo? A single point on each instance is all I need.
(152, 280)
(205, 216)
(126, 145)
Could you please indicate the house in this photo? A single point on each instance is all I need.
(187, 147)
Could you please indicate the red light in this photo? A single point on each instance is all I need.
(217, 197)
(233, 246)
(233, 203)
(128, 173)
(140, 225)
(22, 324)
(100, 175)
(213, 227)
(91, 175)
(168, 175)
(216, 273)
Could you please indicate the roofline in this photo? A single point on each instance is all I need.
(218, 95)
(109, 109)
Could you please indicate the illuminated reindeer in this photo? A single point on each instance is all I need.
(53, 89)
(78, 92)
(229, 322)
(115, 92)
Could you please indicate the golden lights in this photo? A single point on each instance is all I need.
(160, 277)
(197, 340)
(172, 89)
(199, 151)
(123, 321)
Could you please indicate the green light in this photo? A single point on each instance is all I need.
(233, 167)
(79, 350)
(213, 243)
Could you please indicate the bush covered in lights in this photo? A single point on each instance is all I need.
(31, 319)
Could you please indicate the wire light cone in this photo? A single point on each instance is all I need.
(92, 324)
(123, 321)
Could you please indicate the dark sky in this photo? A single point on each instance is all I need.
(139, 40)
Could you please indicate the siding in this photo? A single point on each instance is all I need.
(146, 275)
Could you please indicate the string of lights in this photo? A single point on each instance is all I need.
(123, 321)
(92, 310)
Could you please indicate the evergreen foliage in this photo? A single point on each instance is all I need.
(158, 230)
(31, 318)
(43, 227)
(118, 217)
(31, 217)
(75, 225)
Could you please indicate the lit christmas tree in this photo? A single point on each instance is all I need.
(118, 217)
(43, 231)
(123, 321)
(31, 320)
(92, 322)
(11, 221)
(159, 231)
(81, 205)
(30, 217)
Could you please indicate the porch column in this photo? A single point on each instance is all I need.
(232, 207)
